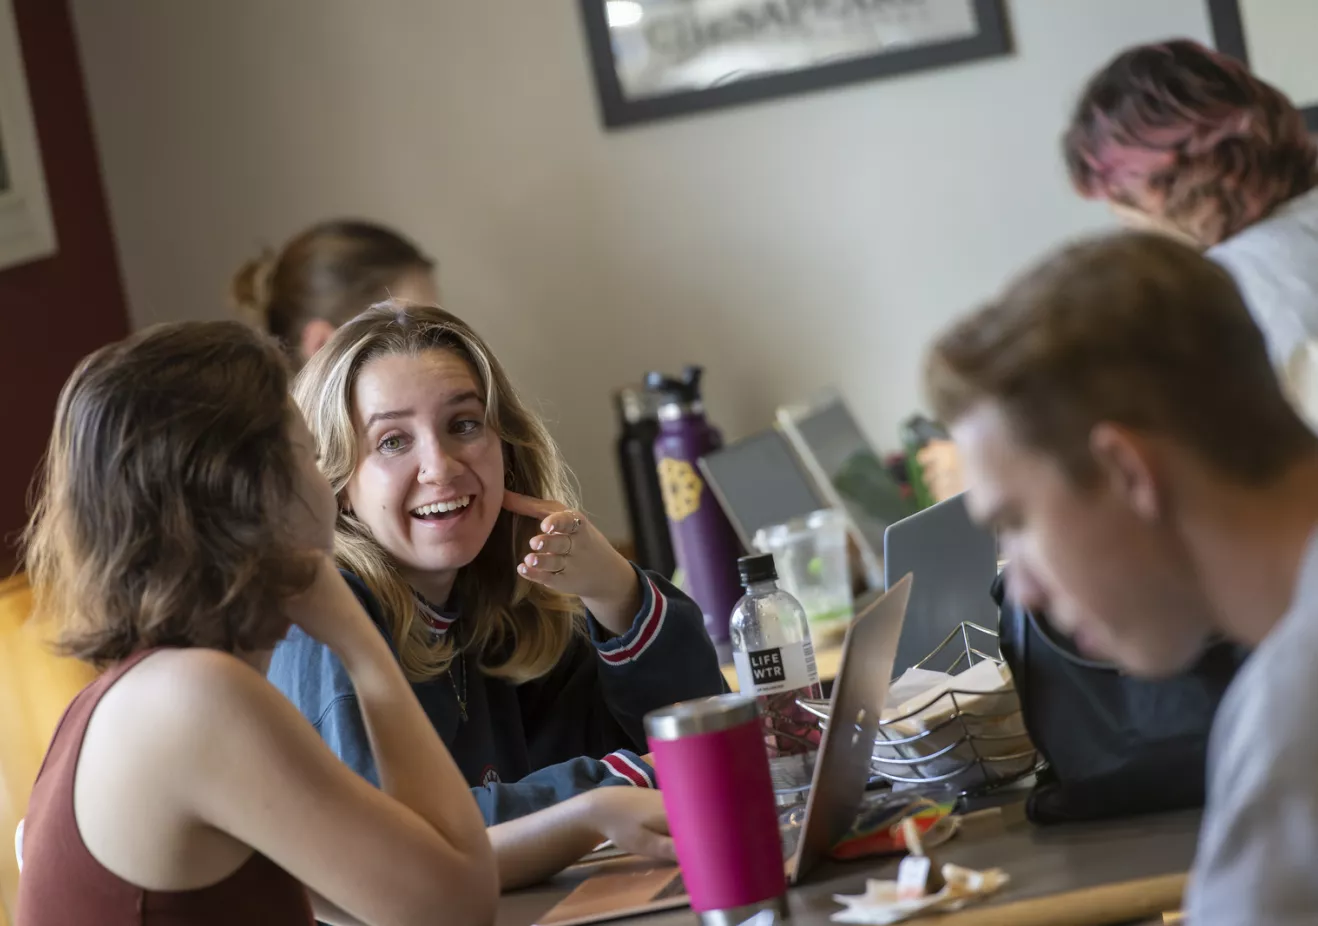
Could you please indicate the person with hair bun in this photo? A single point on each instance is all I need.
(1184, 140)
(324, 276)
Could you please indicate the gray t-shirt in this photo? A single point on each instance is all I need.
(1275, 264)
(1258, 848)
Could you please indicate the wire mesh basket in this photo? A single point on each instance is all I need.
(963, 740)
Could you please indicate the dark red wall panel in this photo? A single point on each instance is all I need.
(54, 311)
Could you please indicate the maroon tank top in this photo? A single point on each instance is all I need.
(62, 884)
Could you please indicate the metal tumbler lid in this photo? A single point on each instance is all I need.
(706, 715)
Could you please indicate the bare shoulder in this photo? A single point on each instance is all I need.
(180, 731)
(198, 727)
(195, 672)
(193, 695)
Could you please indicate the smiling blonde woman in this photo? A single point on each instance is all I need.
(535, 648)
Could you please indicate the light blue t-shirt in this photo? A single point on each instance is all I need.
(1275, 265)
(1258, 848)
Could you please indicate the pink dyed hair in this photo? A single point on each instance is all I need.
(1183, 132)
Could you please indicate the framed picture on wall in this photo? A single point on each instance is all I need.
(658, 58)
(1276, 40)
(26, 230)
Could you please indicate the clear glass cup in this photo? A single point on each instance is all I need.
(813, 567)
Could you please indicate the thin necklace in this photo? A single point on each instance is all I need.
(460, 663)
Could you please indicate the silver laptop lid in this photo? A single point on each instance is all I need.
(954, 562)
(759, 482)
(848, 471)
(859, 692)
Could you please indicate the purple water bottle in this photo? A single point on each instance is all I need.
(703, 541)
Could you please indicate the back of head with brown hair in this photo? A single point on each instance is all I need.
(1132, 329)
(163, 506)
(331, 271)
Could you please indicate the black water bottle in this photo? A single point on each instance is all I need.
(639, 424)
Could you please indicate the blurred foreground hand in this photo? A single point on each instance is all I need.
(941, 465)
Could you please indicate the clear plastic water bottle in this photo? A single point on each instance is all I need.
(775, 662)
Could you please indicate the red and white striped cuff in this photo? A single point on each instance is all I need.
(643, 633)
(633, 772)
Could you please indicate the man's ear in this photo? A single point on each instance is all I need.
(1127, 465)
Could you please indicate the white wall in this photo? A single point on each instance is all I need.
(787, 245)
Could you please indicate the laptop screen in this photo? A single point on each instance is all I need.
(839, 456)
(954, 562)
(759, 483)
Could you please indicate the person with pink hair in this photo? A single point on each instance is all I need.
(1184, 140)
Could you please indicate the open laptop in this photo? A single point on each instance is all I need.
(848, 471)
(859, 693)
(759, 483)
(955, 562)
(628, 887)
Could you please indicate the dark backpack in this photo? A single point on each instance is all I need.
(1115, 745)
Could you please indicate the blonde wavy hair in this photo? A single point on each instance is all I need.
(519, 630)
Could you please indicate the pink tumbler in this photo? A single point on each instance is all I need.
(714, 772)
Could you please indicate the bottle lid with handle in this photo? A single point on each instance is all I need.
(677, 398)
(704, 715)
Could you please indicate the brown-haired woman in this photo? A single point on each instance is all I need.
(1184, 140)
(182, 528)
(324, 276)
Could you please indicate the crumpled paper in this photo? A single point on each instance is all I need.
(880, 905)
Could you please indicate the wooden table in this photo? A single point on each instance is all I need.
(1040, 860)
(828, 659)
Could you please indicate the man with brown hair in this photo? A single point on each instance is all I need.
(1122, 428)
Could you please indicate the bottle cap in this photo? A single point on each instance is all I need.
(757, 568)
(683, 391)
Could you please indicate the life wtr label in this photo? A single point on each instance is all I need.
(776, 669)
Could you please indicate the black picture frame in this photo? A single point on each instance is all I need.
(1229, 36)
(617, 110)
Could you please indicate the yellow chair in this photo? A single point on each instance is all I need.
(35, 688)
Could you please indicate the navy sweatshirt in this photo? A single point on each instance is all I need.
(525, 747)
